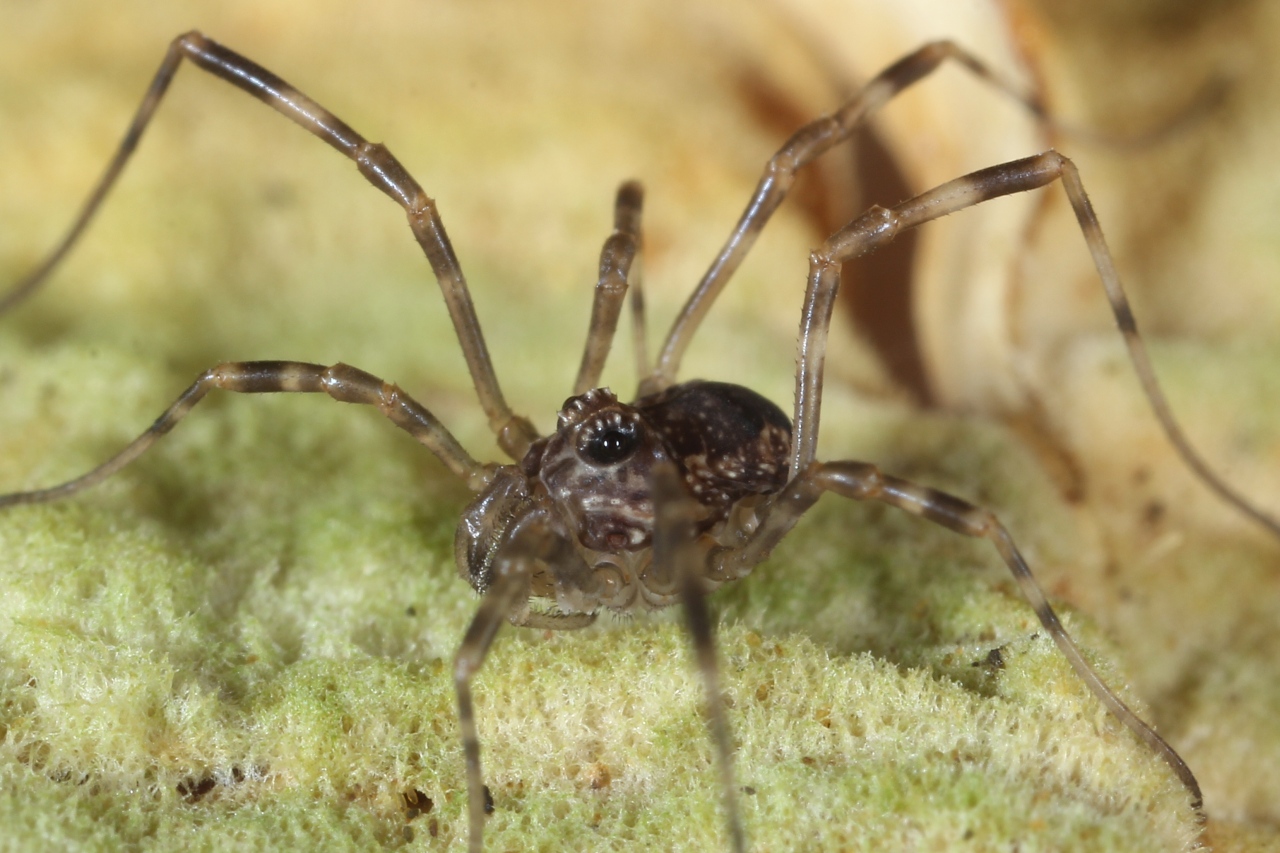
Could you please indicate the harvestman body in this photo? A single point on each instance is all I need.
(642, 505)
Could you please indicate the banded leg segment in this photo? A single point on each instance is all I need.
(880, 225)
(340, 381)
(374, 161)
(806, 145)
(611, 288)
(863, 482)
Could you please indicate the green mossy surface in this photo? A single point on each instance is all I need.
(256, 608)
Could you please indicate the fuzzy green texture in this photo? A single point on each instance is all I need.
(245, 640)
(267, 603)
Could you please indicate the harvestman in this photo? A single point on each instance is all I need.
(637, 506)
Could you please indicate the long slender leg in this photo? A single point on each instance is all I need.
(864, 482)
(675, 554)
(340, 381)
(880, 225)
(525, 546)
(509, 588)
(611, 287)
(803, 147)
(639, 323)
(373, 160)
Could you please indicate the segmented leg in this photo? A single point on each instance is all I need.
(864, 482)
(808, 143)
(527, 546)
(611, 287)
(373, 160)
(674, 554)
(639, 325)
(880, 225)
(510, 588)
(340, 381)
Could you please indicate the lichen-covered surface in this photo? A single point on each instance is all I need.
(244, 641)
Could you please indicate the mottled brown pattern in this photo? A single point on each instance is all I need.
(596, 471)
(727, 441)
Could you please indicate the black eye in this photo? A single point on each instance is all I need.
(610, 444)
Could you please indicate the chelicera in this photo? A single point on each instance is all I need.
(637, 506)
